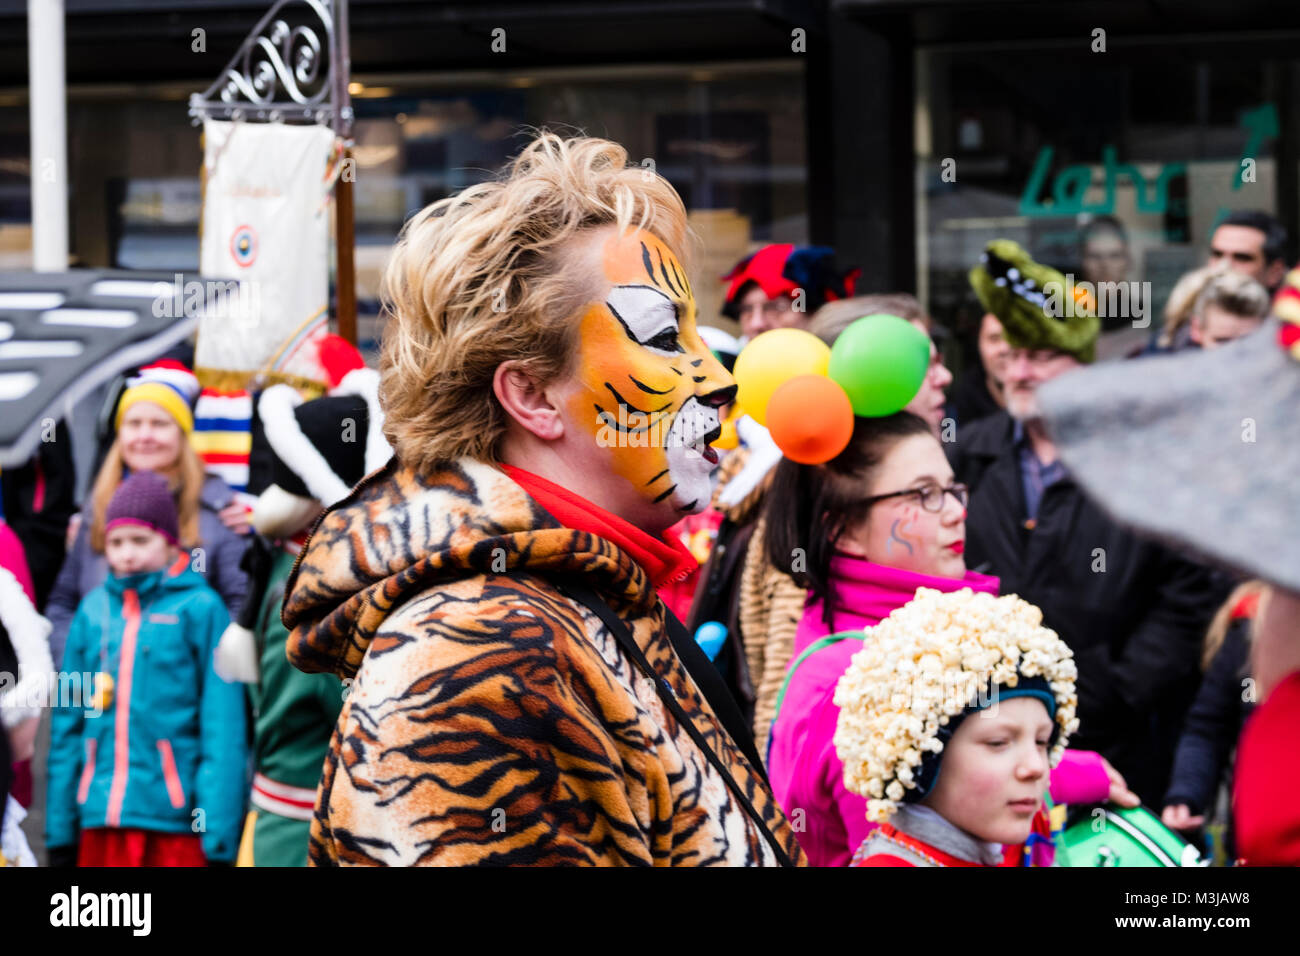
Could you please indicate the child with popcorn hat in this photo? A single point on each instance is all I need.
(946, 790)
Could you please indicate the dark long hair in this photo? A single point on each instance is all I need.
(809, 507)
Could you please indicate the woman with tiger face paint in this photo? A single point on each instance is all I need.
(647, 382)
(521, 695)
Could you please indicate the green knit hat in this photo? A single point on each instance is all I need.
(1037, 307)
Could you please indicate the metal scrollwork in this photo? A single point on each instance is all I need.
(284, 67)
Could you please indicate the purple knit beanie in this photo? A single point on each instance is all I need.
(144, 499)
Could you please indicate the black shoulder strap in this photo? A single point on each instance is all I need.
(623, 634)
(714, 687)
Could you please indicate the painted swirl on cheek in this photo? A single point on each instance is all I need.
(895, 537)
(901, 530)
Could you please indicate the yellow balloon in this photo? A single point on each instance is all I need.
(772, 359)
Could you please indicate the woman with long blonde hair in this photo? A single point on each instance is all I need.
(154, 422)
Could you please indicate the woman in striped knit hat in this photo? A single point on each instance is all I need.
(155, 420)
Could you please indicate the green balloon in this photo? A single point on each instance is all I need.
(880, 361)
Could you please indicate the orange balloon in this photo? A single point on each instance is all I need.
(810, 418)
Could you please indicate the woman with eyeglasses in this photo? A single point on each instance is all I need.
(861, 533)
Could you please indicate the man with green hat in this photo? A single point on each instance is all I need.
(1132, 611)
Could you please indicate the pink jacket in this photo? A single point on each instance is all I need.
(805, 772)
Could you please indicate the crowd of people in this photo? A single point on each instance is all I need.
(540, 590)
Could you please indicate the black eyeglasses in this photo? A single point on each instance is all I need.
(931, 496)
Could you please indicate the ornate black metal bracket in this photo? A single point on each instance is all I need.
(292, 67)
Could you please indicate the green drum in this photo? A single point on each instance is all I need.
(1111, 836)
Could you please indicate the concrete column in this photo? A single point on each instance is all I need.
(49, 129)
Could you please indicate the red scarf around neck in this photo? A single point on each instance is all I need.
(663, 560)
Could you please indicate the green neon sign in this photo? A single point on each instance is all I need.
(1071, 183)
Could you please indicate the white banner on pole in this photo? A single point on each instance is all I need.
(266, 224)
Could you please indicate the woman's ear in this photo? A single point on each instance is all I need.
(526, 401)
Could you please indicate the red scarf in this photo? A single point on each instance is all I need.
(663, 560)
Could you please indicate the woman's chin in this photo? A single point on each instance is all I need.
(950, 565)
(148, 461)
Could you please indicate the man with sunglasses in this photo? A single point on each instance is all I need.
(1134, 613)
(1254, 243)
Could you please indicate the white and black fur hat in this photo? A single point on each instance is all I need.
(319, 449)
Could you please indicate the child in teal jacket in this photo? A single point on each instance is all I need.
(150, 766)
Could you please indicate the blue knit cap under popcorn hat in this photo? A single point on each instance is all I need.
(928, 773)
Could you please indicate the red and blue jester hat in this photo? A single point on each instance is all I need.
(783, 269)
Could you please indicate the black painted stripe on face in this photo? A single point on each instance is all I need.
(677, 370)
(610, 419)
(664, 272)
(681, 278)
(626, 328)
(666, 493)
(647, 388)
(630, 407)
(645, 261)
(657, 477)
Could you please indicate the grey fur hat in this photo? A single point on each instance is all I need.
(1200, 449)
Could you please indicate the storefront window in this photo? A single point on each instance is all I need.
(1110, 168)
(731, 139)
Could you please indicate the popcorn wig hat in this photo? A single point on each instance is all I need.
(925, 668)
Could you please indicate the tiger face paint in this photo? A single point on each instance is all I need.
(649, 389)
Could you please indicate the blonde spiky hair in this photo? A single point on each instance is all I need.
(480, 278)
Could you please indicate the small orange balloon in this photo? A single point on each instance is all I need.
(810, 418)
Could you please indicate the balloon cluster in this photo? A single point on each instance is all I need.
(807, 393)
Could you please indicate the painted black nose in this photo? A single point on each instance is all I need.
(723, 396)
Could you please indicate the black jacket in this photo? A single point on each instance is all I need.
(1214, 723)
(38, 499)
(970, 400)
(1133, 612)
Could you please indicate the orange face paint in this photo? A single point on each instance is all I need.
(649, 388)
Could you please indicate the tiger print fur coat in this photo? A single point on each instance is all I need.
(491, 720)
